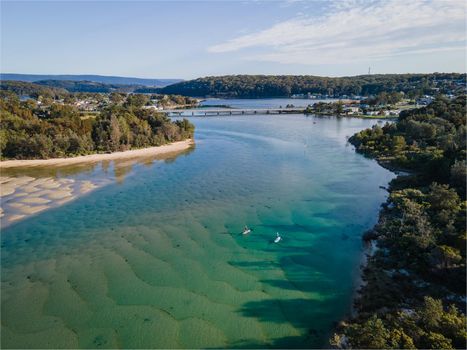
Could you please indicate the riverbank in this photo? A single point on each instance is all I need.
(419, 267)
(359, 116)
(150, 151)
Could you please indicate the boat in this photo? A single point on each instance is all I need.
(278, 238)
(246, 230)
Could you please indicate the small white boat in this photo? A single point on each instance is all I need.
(278, 238)
(246, 230)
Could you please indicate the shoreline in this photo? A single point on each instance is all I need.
(358, 116)
(149, 151)
(369, 245)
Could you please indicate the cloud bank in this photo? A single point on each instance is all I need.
(356, 31)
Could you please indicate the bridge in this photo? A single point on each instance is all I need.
(230, 111)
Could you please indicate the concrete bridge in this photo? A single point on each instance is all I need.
(230, 111)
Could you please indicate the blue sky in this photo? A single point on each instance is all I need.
(188, 39)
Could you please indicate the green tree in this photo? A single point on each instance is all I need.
(371, 334)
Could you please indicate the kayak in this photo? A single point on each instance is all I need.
(278, 238)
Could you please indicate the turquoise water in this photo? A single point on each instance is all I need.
(156, 260)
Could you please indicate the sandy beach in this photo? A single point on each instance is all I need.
(151, 151)
(23, 195)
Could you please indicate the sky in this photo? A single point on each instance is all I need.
(190, 39)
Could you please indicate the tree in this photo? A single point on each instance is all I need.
(372, 334)
(433, 340)
(398, 144)
(339, 108)
(459, 175)
(444, 204)
(115, 134)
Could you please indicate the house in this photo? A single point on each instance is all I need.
(351, 110)
(297, 96)
(155, 107)
(425, 100)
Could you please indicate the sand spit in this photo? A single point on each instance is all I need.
(151, 151)
(24, 196)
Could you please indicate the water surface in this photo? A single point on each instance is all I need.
(156, 260)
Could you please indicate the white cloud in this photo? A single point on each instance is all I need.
(355, 30)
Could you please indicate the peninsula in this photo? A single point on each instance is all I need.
(50, 123)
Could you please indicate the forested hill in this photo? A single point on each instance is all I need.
(257, 86)
(86, 86)
(61, 87)
(31, 89)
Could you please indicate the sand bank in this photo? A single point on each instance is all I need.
(151, 151)
(24, 195)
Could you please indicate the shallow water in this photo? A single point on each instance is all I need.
(156, 260)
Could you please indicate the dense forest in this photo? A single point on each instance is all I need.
(30, 131)
(256, 86)
(415, 283)
(86, 86)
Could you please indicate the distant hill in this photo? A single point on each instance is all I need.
(86, 86)
(60, 88)
(257, 86)
(91, 78)
(31, 89)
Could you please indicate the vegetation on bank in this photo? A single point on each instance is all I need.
(29, 130)
(415, 283)
(257, 86)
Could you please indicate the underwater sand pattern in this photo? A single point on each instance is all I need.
(24, 196)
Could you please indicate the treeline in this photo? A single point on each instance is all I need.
(174, 100)
(59, 88)
(86, 86)
(415, 283)
(256, 86)
(21, 88)
(384, 98)
(141, 100)
(29, 131)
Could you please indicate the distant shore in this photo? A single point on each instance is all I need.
(150, 151)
